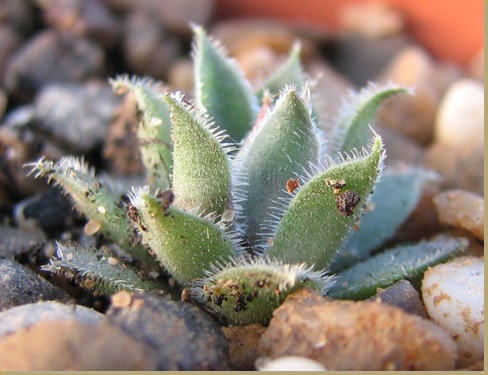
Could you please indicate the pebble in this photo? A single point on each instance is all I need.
(243, 345)
(289, 363)
(3, 102)
(460, 118)
(175, 14)
(423, 221)
(402, 294)
(260, 47)
(462, 210)
(75, 116)
(14, 241)
(147, 47)
(459, 169)
(183, 336)
(359, 58)
(453, 294)
(19, 15)
(24, 316)
(20, 285)
(411, 115)
(120, 149)
(75, 346)
(83, 18)
(51, 210)
(50, 56)
(356, 336)
(9, 42)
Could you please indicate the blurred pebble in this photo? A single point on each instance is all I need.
(459, 169)
(14, 241)
(453, 294)
(412, 115)
(289, 363)
(52, 57)
(180, 76)
(76, 116)
(372, 20)
(24, 316)
(3, 103)
(183, 336)
(423, 221)
(120, 149)
(357, 336)
(83, 18)
(9, 42)
(243, 345)
(19, 15)
(402, 294)
(20, 145)
(147, 47)
(360, 59)
(20, 285)
(463, 210)
(75, 346)
(51, 210)
(174, 14)
(328, 87)
(460, 116)
(401, 149)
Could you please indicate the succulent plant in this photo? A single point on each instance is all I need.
(240, 224)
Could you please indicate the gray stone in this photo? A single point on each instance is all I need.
(25, 316)
(76, 116)
(20, 285)
(402, 294)
(184, 337)
(50, 56)
(14, 241)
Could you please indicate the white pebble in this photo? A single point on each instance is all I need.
(453, 295)
(460, 118)
(290, 363)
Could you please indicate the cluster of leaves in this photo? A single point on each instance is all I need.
(242, 225)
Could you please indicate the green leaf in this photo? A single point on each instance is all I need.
(286, 142)
(184, 243)
(246, 291)
(201, 169)
(406, 261)
(154, 130)
(357, 114)
(221, 88)
(94, 199)
(95, 270)
(289, 73)
(395, 196)
(319, 217)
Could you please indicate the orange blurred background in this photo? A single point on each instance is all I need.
(450, 29)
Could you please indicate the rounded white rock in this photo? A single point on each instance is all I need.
(288, 363)
(453, 294)
(460, 117)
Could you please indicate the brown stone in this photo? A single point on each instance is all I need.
(357, 336)
(463, 210)
(75, 346)
(243, 345)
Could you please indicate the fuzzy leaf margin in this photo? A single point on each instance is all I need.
(319, 219)
(405, 261)
(221, 88)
